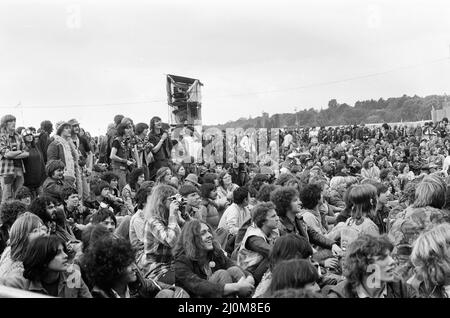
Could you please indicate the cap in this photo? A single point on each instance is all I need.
(73, 122)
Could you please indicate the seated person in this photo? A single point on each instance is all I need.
(103, 199)
(365, 257)
(105, 217)
(258, 240)
(203, 270)
(55, 181)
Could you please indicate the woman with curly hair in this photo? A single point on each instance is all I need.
(109, 265)
(226, 187)
(369, 270)
(136, 178)
(161, 232)
(26, 228)
(201, 267)
(431, 258)
(47, 270)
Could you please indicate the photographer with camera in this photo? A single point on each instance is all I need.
(191, 202)
(162, 229)
(163, 146)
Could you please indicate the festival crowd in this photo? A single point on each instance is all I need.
(348, 212)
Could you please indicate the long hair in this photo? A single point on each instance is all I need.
(190, 242)
(430, 256)
(21, 228)
(157, 204)
(359, 256)
(161, 174)
(288, 247)
(294, 273)
(364, 200)
(39, 254)
(152, 123)
(430, 192)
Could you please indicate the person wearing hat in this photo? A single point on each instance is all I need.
(193, 201)
(34, 165)
(62, 148)
(86, 158)
(192, 179)
(55, 182)
(12, 151)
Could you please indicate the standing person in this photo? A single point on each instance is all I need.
(12, 151)
(85, 156)
(121, 154)
(44, 138)
(143, 148)
(62, 148)
(34, 165)
(163, 146)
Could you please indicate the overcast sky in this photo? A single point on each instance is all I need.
(252, 56)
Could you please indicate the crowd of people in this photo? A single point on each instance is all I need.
(352, 212)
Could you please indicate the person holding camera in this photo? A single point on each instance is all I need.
(191, 201)
(163, 146)
(162, 229)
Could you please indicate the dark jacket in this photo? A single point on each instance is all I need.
(300, 228)
(53, 187)
(345, 290)
(190, 275)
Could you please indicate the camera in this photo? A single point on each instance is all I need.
(182, 202)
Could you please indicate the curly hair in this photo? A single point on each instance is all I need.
(264, 192)
(101, 215)
(40, 252)
(67, 192)
(258, 181)
(134, 176)
(157, 204)
(294, 273)
(23, 192)
(310, 195)
(107, 259)
(39, 207)
(259, 213)
(359, 256)
(92, 233)
(190, 242)
(282, 198)
(9, 211)
(109, 176)
(430, 256)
